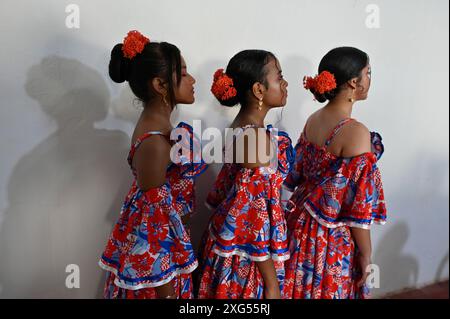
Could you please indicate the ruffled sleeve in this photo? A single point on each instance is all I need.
(294, 178)
(286, 155)
(377, 144)
(250, 222)
(149, 245)
(353, 195)
(190, 162)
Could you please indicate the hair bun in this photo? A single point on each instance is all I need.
(223, 88)
(119, 66)
(321, 98)
(322, 86)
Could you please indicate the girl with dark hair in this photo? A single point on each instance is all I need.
(245, 243)
(149, 253)
(337, 189)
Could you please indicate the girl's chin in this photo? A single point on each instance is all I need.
(187, 101)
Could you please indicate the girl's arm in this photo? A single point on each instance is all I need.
(357, 138)
(364, 258)
(271, 286)
(151, 161)
(267, 268)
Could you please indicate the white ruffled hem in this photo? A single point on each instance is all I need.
(342, 223)
(121, 284)
(244, 254)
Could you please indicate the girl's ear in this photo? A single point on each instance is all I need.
(352, 83)
(159, 86)
(258, 90)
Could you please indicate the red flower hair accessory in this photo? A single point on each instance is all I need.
(134, 44)
(222, 86)
(322, 83)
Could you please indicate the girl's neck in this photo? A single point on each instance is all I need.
(250, 114)
(157, 112)
(342, 106)
(157, 108)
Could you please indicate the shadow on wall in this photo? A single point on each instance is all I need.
(441, 274)
(427, 211)
(127, 106)
(65, 194)
(397, 268)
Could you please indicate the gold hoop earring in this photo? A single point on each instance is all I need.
(260, 104)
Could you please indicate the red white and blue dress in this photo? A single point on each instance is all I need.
(149, 245)
(247, 226)
(331, 194)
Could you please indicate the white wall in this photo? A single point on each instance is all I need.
(65, 126)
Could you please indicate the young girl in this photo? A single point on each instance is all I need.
(337, 186)
(245, 244)
(149, 253)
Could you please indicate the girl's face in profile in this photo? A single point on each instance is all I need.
(276, 94)
(363, 86)
(184, 93)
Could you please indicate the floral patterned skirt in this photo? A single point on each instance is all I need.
(321, 265)
(233, 277)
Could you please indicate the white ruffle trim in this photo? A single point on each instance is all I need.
(342, 223)
(122, 284)
(244, 254)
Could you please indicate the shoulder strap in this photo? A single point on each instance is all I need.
(336, 130)
(139, 141)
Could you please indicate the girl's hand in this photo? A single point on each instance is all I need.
(363, 263)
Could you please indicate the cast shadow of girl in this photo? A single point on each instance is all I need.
(63, 195)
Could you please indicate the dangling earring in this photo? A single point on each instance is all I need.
(351, 100)
(260, 104)
(164, 100)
